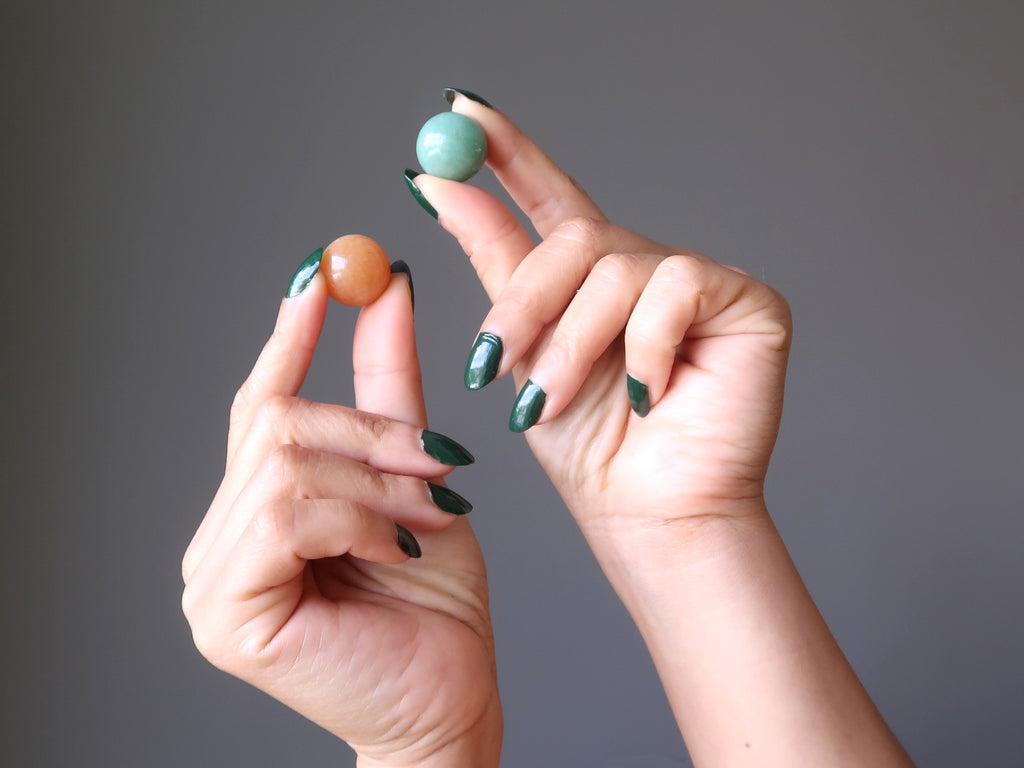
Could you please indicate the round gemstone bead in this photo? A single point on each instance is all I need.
(357, 270)
(452, 146)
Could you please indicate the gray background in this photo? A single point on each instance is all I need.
(166, 166)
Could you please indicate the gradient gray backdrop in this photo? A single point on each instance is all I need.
(166, 166)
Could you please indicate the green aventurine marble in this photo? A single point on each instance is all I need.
(452, 146)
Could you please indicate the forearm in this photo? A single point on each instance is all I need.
(751, 670)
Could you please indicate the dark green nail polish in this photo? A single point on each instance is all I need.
(639, 396)
(527, 407)
(449, 500)
(445, 450)
(400, 266)
(424, 204)
(304, 274)
(484, 359)
(449, 96)
(407, 542)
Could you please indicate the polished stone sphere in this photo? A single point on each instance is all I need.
(452, 146)
(357, 270)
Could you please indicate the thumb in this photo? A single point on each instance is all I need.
(384, 360)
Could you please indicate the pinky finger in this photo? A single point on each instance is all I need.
(664, 312)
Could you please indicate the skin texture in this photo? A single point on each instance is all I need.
(295, 581)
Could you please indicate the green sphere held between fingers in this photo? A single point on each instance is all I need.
(452, 146)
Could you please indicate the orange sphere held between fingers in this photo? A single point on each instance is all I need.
(357, 270)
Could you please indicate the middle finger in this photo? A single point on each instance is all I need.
(538, 292)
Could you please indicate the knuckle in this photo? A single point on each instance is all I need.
(614, 267)
(280, 465)
(272, 524)
(188, 564)
(563, 351)
(688, 269)
(240, 403)
(778, 318)
(205, 636)
(188, 604)
(377, 485)
(642, 335)
(374, 425)
(523, 300)
(481, 246)
(276, 411)
(580, 229)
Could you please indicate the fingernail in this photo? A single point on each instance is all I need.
(304, 274)
(410, 174)
(527, 407)
(400, 266)
(449, 500)
(407, 542)
(639, 396)
(445, 450)
(449, 95)
(484, 359)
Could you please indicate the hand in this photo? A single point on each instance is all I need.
(298, 579)
(705, 345)
(664, 471)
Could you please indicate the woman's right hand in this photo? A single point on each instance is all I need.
(299, 579)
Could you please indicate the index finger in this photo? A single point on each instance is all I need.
(544, 192)
(284, 362)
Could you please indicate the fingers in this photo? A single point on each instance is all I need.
(283, 423)
(256, 581)
(284, 362)
(295, 472)
(543, 285)
(591, 323)
(486, 230)
(386, 367)
(666, 310)
(542, 190)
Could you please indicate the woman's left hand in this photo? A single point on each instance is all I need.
(596, 319)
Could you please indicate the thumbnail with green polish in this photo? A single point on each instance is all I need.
(304, 274)
(639, 396)
(484, 359)
(445, 450)
(449, 96)
(527, 407)
(398, 265)
(407, 542)
(409, 175)
(449, 500)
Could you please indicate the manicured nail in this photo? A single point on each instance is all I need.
(449, 95)
(445, 450)
(304, 274)
(484, 359)
(527, 407)
(407, 542)
(449, 500)
(410, 174)
(400, 266)
(639, 396)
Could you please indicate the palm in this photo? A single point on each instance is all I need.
(381, 637)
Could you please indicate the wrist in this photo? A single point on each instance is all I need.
(477, 747)
(631, 547)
